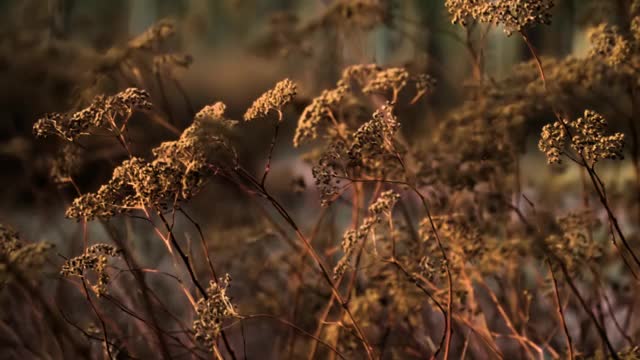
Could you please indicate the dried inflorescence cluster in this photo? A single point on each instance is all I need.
(327, 171)
(588, 139)
(394, 79)
(274, 99)
(366, 150)
(374, 138)
(18, 254)
(370, 151)
(609, 44)
(469, 252)
(94, 259)
(371, 79)
(103, 113)
(514, 15)
(575, 245)
(381, 207)
(177, 172)
(318, 112)
(552, 142)
(212, 310)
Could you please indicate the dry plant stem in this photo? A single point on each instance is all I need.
(597, 183)
(164, 99)
(561, 312)
(272, 146)
(155, 296)
(216, 352)
(79, 328)
(301, 266)
(358, 198)
(102, 323)
(611, 311)
(191, 111)
(142, 284)
(444, 312)
(203, 242)
(80, 349)
(448, 329)
(133, 314)
(295, 327)
(355, 215)
(323, 270)
(185, 260)
(615, 320)
(588, 310)
(183, 256)
(516, 335)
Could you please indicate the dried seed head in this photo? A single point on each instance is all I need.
(374, 138)
(216, 114)
(425, 83)
(212, 310)
(93, 259)
(573, 245)
(318, 112)
(21, 256)
(607, 43)
(384, 204)
(513, 15)
(274, 99)
(588, 139)
(177, 172)
(388, 79)
(552, 142)
(101, 113)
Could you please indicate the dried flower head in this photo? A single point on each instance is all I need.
(359, 73)
(319, 111)
(382, 206)
(514, 15)
(588, 139)
(94, 259)
(375, 137)
(177, 172)
(19, 254)
(326, 172)
(394, 79)
(101, 113)
(216, 114)
(212, 310)
(635, 28)
(274, 99)
(552, 141)
(425, 84)
(573, 244)
(608, 44)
